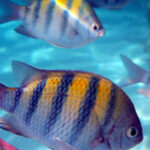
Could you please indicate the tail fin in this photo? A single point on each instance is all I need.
(8, 11)
(135, 73)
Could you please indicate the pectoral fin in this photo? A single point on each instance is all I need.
(23, 30)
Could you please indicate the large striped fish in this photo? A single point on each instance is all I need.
(112, 4)
(64, 23)
(69, 110)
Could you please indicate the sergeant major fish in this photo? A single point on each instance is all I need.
(69, 110)
(64, 23)
(112, 4)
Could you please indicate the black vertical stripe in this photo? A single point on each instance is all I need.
(111, 105)
(77, 22)
(36, 12)
(49, 15)
(34, 101)
(18, 94)
(81, 10)
(69, 4)
(58, 102)
(64, 22)
(85, 110)
(27, 11)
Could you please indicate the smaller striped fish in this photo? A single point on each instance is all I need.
(112, 4)
(69, 110)
(63, 23)
(5, 146)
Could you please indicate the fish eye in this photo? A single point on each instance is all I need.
(96, 27)
(132, 132)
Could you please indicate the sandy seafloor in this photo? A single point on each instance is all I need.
(127, 32)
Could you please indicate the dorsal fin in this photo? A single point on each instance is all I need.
(25, 73)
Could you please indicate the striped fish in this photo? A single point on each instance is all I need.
(112, 4)
(64, 23)
(69, 110)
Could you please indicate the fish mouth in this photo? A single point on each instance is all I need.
(102, 32)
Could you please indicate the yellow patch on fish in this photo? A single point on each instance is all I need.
(76, 93)
(76, 5)
(49, 92)
(44, 5)
(103, 97)
(62, 3)
(28, 92)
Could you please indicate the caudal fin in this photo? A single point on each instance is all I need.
(135, 73)
(8, 11)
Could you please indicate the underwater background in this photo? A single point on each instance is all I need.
(127, 32)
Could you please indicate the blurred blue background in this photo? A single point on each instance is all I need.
(127, 32)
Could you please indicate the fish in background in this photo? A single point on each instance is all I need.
(63, 23)
(111, 4)
(136, 74)
(5, 146)
(69, 110)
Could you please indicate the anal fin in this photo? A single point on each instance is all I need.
(23, 30)
(60, 145)
(10, 123)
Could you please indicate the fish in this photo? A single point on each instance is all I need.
(62, 23)
(69, 110)
(110, 4)
(136, 74)
(5, 146)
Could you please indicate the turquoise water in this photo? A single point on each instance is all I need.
(127, 32)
